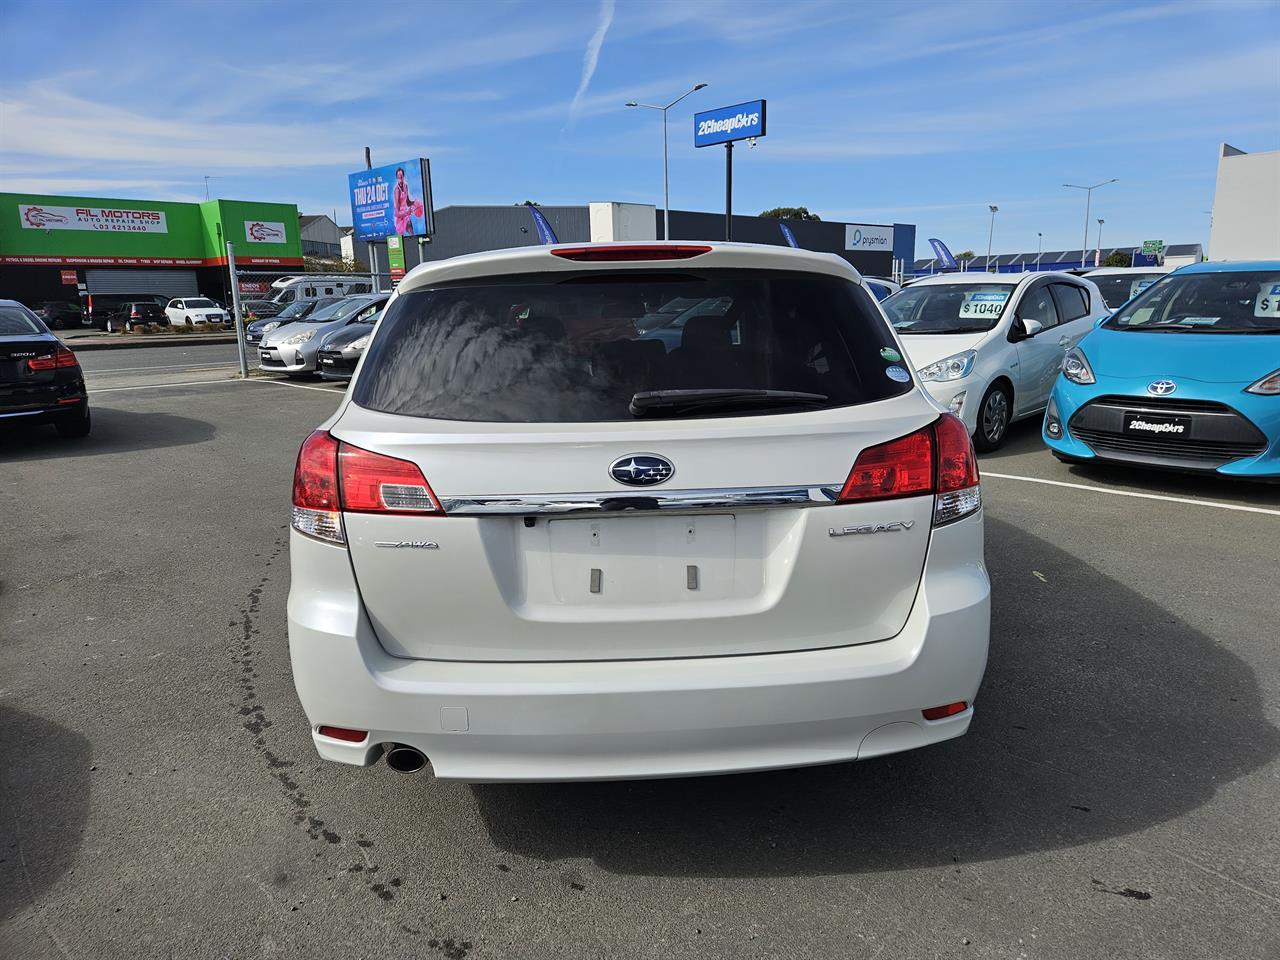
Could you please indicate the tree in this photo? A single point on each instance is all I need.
(314, 264)
(965, 255)
(1118, 258)
(790, 213)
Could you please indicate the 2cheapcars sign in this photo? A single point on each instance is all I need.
(724, 124)
(866, 236)
(104, 219)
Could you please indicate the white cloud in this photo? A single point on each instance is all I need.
(591, 56)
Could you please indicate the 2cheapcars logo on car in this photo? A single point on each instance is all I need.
(109, 219)
(738, 121)
(1149, 427)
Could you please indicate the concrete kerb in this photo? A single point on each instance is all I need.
(77, 344)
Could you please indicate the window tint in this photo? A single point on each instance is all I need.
(16, 321)
(1037, 304)
(579, 347)
(1073, 301)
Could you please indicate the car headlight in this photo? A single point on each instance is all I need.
(268, 327)
(949, 368)
(359, 344)
(1268, 386)
(1076, 368)
(302, 337)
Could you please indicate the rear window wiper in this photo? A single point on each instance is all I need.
(663, 402)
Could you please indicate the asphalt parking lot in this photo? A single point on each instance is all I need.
(1116, 797)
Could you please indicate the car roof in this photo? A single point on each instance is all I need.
(1238, 266)
(1116, 271)
(972, 277)
(541, 259)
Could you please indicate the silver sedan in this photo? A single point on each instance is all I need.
(292, 349)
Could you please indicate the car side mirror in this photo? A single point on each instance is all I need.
(1030, 327)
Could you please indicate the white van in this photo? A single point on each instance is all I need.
(317, 287)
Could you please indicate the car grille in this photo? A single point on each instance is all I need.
(1217, 434)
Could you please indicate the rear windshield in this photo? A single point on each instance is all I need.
(574, 348)
(1119, 288)
(16, 322)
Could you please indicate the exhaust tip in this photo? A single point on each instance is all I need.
(405, 759)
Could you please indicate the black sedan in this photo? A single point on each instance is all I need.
(40, 379)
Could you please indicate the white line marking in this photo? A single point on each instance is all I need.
(163, 366)
(205, 383)
(303, 386)
(1132, 493)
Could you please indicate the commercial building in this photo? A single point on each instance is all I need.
(871, 248)
(62, 248)
(320, 234)
(1246, 206)
(1175, 255)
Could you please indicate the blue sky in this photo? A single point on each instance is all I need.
(921, 113)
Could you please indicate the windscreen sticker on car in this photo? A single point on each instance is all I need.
(983, 304)
(1267, 303)
(1199, 321)
(897, 373)
(1138, 286)
(890, 354)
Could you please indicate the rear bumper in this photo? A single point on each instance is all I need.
(634, 719)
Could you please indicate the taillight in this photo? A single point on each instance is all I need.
(134, 314)
(937, 459)
(617, 253)
(60, 359)
(374, 483)
(947, 710)
(332, 477)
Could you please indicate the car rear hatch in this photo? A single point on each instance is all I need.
(516, 401)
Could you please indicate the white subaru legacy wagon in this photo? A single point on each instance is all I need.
(648, 510)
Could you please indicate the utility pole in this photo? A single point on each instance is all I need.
(991, 233)
(1084, 246)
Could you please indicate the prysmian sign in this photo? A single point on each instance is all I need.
(866, 236)
(741, 121)
(108, 219)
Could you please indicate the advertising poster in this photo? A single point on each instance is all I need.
(395, 258)
(393, 200)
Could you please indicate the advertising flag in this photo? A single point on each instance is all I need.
(943, 254)
(788, 235)
(545, 233)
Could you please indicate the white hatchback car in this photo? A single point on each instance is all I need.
(989, 346)
(539, 540)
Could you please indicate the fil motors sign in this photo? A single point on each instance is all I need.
(865, 236)
(264, 231)
(101, 219)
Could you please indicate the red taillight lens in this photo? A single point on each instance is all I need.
(60, 359)
(344, 733)
(374, 483)
(134, 314)
(615, 254)
(957, 463)
(941, 713)
(315, 478)
(899, 468)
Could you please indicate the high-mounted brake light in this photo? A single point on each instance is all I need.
(617, 254)
(332, 477)
(60, 359)
(937, 459)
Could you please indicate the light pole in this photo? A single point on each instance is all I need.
(666, 196)
(206, 185)
(1039, 249)
(1084, 247)
(1099, 246)
(991, 233)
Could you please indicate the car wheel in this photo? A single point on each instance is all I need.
(74, 425)
(108, 326)
(994, 415)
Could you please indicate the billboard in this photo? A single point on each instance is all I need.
(867, 236)
(393, 200)
(724, 124)
(105, 219)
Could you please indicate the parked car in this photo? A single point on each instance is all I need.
(294, 349)
(102, 306)
(1186, 376)
(40, 379)
(881, 288)
(135, 313)
(1121, 284)
(299, 310)
(260, 308)
(988, 346)
(341, 350)
(531, 554)
(194, 311)
(61, 314)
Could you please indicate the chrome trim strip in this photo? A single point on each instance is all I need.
(628, 501)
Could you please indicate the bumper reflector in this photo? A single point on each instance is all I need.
(343, 733)
(941, 713)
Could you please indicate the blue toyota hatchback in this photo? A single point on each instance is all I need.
(1185, 376)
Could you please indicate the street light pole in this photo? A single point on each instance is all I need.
(666, 193)
(1099, 246)
(1084, 247)
(991, 233)
(1039, 249)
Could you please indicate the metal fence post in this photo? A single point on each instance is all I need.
(239, 316)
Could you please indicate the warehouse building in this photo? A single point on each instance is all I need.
(871, 248)
(1246, 206)
(68, 248)
(1175, 255)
